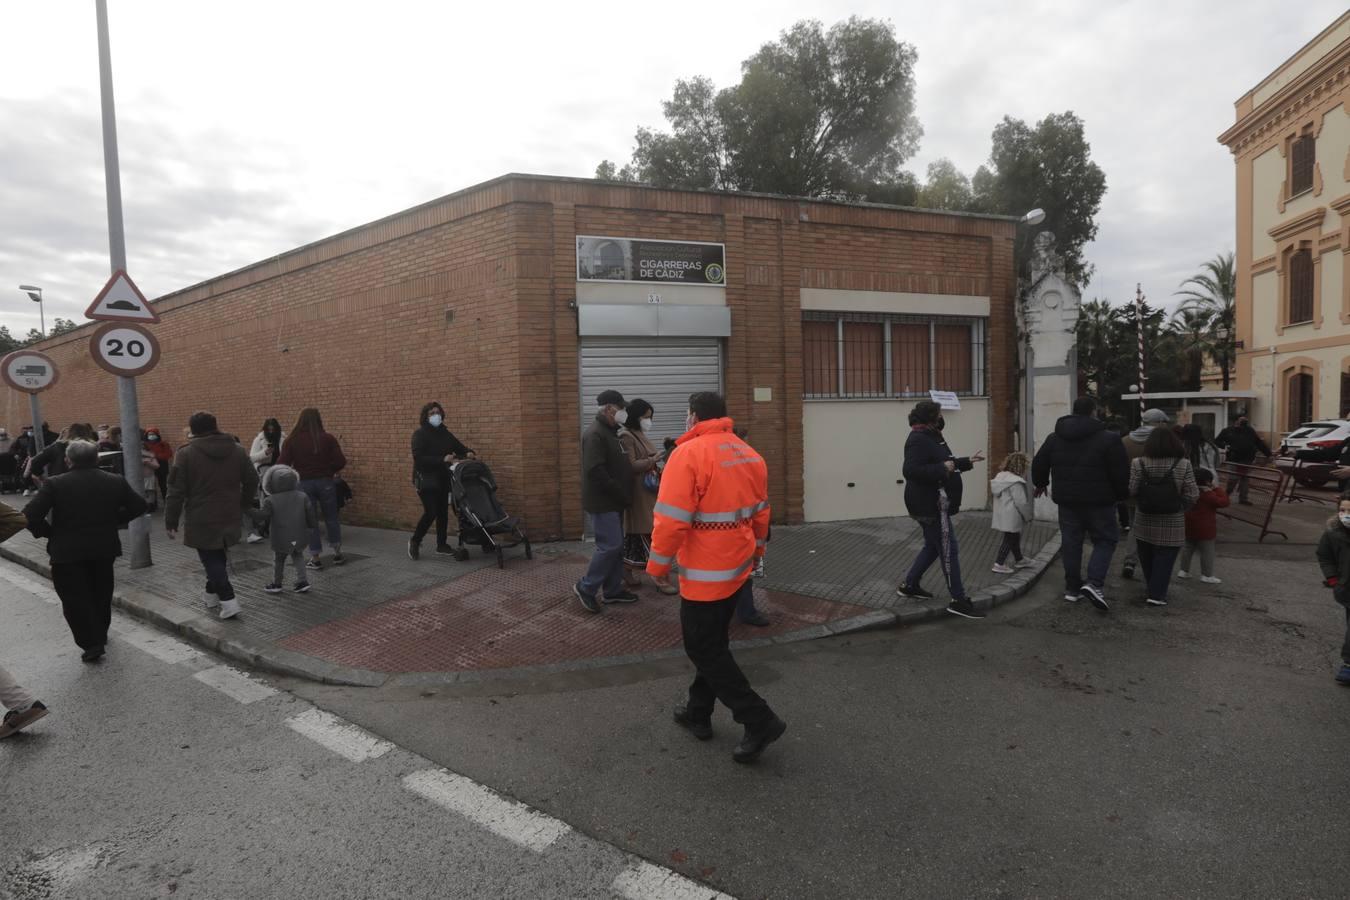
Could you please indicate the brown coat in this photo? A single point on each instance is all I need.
(637, 518)
(11, 522)
(211, 485)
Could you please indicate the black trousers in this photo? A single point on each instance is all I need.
(86, 590)
(1345, 648)
(1012, 543)
(708, 647)
(435, 507)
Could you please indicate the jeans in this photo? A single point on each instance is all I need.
(1206, 549)
(297, 559)
(215, 561)
(704, 625)
(322, 495)
(1012, 543)
(606, 568)
(435, 508)
(12, 694)
(86, 590)
(1097, 523)
(1157, 563)
(932, 551)
(1243, 483)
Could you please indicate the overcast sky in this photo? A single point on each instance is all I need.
(249, 128)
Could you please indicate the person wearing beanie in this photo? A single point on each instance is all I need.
(606, 491)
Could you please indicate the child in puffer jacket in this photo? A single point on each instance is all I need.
(1012, 511)
(291, 517)
(1333, 555)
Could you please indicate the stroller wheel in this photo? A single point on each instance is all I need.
(462, 554)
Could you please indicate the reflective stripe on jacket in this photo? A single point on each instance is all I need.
(712, 512)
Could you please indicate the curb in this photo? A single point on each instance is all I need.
(215, 636)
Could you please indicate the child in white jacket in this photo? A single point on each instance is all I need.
(1012, 511)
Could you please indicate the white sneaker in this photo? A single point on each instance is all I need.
(210, 599)
(229, 609)
(1001, 569)
(255, 538)
(1151, 602)
(1210, 579)
(1071, 598)
(27, 492)
(1182, 573)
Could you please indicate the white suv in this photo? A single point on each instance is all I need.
(1317, 435)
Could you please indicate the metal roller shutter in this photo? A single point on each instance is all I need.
(664, 371)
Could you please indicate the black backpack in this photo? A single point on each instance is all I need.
(1158, 495)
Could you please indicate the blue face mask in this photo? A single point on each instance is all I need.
(435, 420)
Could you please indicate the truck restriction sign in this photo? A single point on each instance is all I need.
(28, 371)
(124, 349)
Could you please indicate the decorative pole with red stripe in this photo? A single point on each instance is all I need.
(1139, 320)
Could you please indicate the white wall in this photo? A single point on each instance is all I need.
(863, 441)
(889, 302)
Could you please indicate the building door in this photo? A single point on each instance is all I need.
(1300, 399)
(664, 371)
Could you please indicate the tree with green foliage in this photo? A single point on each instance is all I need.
(1049, 166)
(947, 188)
(817, 113)
(1212, 293)
(1191, 330)
(61, 326)
(8, 342)
(1097, 323)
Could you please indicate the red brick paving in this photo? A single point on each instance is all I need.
(526, 616)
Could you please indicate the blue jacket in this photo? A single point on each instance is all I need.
(925, 473)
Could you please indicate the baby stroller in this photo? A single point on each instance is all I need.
(473, 493)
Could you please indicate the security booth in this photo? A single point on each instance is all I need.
(1213, 411)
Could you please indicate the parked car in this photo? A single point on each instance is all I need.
(1317, 435)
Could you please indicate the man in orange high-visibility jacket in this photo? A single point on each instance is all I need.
(712, 514)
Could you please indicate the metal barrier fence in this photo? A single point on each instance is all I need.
(1267, 482)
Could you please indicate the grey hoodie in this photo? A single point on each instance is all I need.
(287, 508)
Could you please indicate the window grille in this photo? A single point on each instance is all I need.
(1303, 155)
(873, 355)
(1300, 286)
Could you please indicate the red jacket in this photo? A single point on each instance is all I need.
(1202, 523)
(311, 456)
(712, 512)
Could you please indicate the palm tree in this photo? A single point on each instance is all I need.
(1213, 292)
(1190, 330)
(1096, 320)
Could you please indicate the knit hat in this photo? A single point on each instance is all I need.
(1155, 417)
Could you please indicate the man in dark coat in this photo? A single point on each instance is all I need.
(87, 507)
(932, 497)
(211, 487)
(1242, 443)
(1088, 471)
(606, 486)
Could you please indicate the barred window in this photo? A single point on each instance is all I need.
(858, 355)
(1302, 158)
(1300, 286)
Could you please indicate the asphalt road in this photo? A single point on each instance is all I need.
(1048, 751)
(161, 772)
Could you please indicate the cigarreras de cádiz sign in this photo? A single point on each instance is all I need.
(647, 260)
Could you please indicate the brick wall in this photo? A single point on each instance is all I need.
(468, 300)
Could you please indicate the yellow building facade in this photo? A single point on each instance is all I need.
(1291, 143)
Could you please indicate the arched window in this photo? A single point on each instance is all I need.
(1300, 407)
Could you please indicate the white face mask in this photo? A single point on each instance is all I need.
(646, 424)
(435, 420)
(1345, 519)
(621, 416)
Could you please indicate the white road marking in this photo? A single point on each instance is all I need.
(514, 821)
(160, 646)
(233, 683)
(646, 881)
(343, 738)
(40, 589)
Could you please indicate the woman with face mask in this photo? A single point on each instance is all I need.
(635, 438)
(433, 449)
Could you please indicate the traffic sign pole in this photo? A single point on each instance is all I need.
(39, 440)
(139, 528)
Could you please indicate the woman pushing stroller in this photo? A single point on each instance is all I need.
(434, 448)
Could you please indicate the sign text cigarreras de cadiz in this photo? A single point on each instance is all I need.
(643, 260)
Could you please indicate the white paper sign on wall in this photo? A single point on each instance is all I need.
(945, 399)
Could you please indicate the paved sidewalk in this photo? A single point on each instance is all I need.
(383, 617)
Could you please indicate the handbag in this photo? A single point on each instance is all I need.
(652, 481)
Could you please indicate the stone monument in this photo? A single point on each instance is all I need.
(1048, 346)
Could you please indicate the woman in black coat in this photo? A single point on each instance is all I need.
(433, 449)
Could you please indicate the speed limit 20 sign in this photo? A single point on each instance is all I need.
(124, 349)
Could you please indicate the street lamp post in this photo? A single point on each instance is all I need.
(35, 294)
